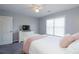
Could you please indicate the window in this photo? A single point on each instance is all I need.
(49, 27)
(56, 26)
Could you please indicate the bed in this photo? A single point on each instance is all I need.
(43, 44)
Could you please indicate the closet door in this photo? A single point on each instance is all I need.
(7, 30)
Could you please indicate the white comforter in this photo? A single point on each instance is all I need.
(49, 45)
(46, 45)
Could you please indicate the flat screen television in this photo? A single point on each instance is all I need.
(26, 27)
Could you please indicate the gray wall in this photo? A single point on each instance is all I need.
(19, 20)
(71, 24)
(39, 25)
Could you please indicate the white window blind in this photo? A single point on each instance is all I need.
(56, 26)
(49, 27)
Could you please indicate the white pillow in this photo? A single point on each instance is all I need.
(75, 44)
(73, 48)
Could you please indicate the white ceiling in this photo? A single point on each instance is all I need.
(25, 9)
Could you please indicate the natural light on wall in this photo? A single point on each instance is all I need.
(56, 26)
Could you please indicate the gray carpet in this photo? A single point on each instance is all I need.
(15, 48)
